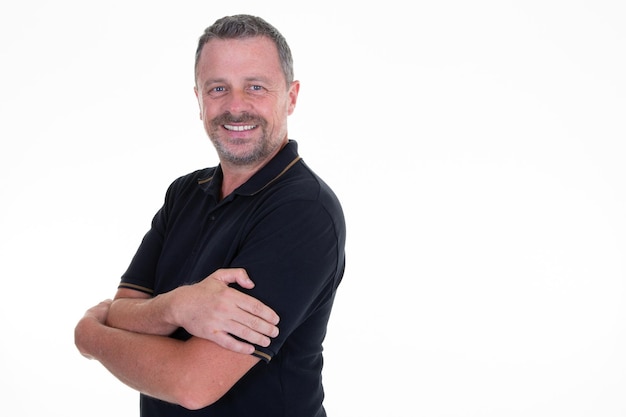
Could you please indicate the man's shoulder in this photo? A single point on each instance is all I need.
(313, 182)
(302, 186)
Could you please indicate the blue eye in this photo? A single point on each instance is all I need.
(216, 91)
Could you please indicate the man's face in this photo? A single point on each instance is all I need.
(244, 101)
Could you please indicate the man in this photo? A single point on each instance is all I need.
(260, 221)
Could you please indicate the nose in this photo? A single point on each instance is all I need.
(238, 102)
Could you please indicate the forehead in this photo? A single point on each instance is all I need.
(227, 58)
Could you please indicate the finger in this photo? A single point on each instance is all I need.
(253, 324)
(236, 275)
(228, 342)
(246, 333)
(250, 328)
(257, 309)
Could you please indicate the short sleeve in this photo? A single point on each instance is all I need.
(295, 257)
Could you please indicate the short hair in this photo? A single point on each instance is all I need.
(244, 26)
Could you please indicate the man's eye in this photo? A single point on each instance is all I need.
(256, 88)
(216, 91)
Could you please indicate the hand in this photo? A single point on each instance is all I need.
(96, 314)
(99, 312)
(212, 310)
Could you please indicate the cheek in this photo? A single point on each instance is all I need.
(207, 112)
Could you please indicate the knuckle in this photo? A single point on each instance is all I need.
(253, 323)
(256, 308)
(246, 333)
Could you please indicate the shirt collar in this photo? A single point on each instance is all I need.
(269, 173)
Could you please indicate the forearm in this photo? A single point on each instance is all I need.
(141, 315)
(131, 357)
(193, 373)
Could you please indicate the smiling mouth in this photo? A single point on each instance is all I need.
(238, 128)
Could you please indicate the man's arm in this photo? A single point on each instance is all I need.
(193, 373)
(209, 309)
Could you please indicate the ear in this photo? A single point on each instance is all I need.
(195, 91)
(294, 89)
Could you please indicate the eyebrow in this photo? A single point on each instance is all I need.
(213, 81)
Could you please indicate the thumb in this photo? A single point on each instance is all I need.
(238, 275)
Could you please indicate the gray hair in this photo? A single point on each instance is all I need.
(244, 26)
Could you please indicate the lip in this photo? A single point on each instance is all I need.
(239, 128)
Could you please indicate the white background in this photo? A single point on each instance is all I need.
(477, 147)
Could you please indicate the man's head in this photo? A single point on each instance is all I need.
(245, 90)
(245, 26)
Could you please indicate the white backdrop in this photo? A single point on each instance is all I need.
(477, 147)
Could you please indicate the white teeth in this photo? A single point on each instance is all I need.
(239, 128)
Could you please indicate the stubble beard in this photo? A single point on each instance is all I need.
(262, 146)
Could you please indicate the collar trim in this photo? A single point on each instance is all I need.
(292, 163)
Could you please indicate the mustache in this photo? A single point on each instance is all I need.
(245, 117)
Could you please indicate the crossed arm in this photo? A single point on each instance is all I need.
(129, 336)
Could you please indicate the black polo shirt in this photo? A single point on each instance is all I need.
(285, 226)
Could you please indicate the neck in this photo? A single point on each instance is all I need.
(232, 179)
(236, 175)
